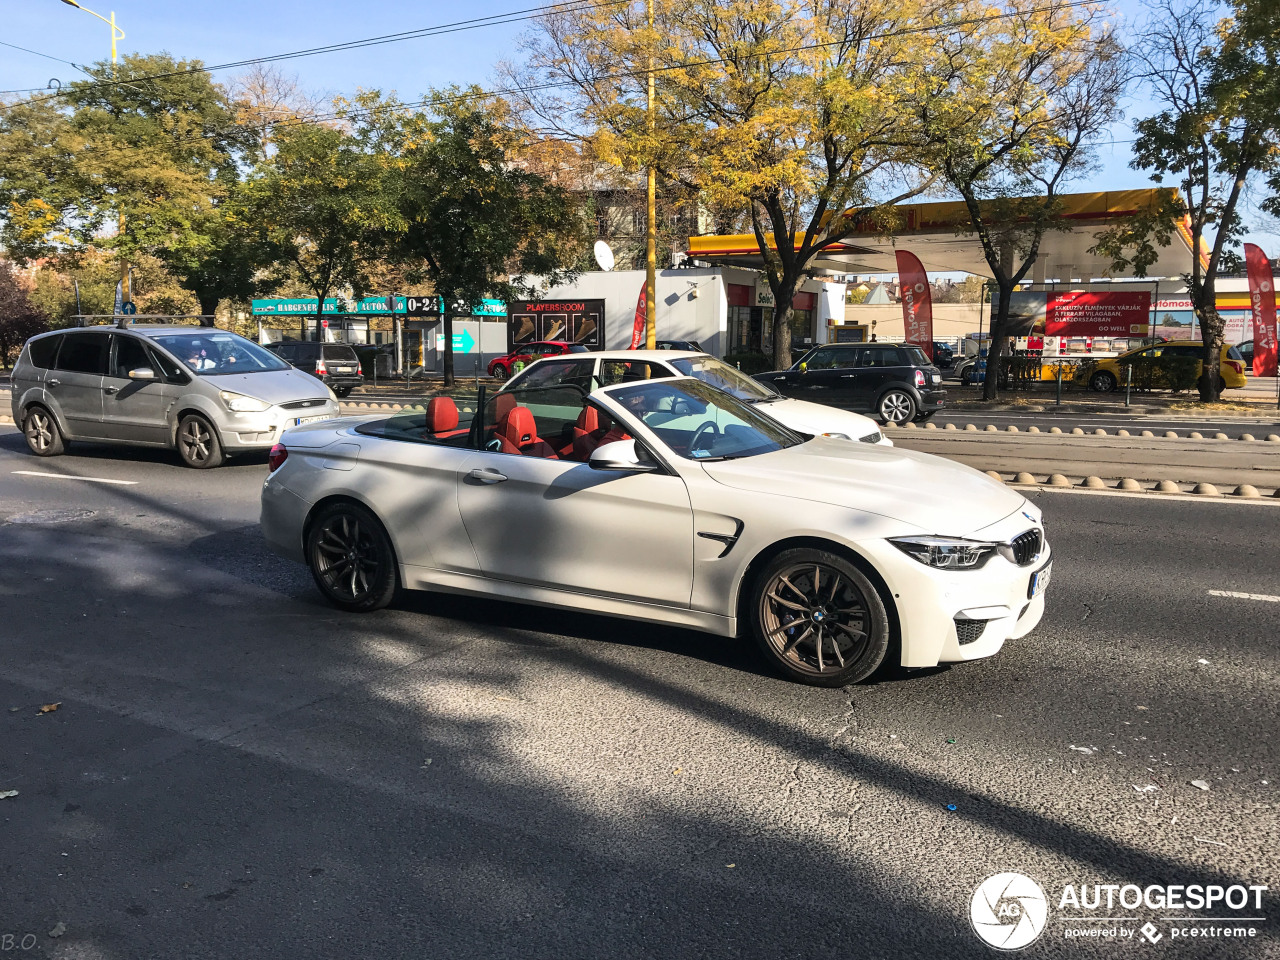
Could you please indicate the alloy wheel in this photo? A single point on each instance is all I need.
(39, 431)
(196, 441)
(897, 407)
(815, 618)
(347, 558)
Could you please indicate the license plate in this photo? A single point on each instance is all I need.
(1039, 581)
(344, 369)
(937, 378)
(301, 420)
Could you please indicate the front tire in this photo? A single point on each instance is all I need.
(198, 443)
(897, 407)
(351, 558)
(818, 619)
(1102, 382)
(44, 439)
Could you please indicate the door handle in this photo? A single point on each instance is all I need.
(487, 475)
(110, 389)
(53, 383)
(848, 376)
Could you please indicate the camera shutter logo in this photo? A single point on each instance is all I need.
(1008, 911)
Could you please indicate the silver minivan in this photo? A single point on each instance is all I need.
(207, 392)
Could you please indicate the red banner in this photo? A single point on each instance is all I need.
(917, 302)
(1086, 313)
(1262, 300)
(642, 319)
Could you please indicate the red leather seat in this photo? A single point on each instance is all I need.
(442, 418)
(592, 430)
(518, 433)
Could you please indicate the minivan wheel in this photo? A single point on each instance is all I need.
(44, 439)
(351, 558)
(342, 392)
(897, 406)
(818, 619)
(198, 443)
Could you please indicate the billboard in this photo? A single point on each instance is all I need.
(574, 321)
(1080, 313)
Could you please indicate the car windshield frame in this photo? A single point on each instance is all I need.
(186, 347)
(658, 407)
(736, 383)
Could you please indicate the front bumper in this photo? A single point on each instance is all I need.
(261, 431)
(953, 616)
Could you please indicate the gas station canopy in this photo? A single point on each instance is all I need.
(938, 233)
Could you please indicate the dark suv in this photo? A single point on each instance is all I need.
(894, 380)
(335, 364)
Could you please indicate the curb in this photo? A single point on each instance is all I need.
(1208, 491)
(1080, 432)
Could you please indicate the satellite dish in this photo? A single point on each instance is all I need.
(604, 255)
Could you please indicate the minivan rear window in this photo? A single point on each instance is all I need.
(43, 351)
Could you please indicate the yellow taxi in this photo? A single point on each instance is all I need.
(1109, 373)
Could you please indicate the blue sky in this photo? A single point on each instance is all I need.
(239, 29)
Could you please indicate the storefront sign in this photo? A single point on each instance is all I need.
(572, 321)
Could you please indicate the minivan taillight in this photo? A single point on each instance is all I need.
(321, 369)
(920, 378)
(276, 457)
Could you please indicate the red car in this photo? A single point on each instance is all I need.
(502, 367)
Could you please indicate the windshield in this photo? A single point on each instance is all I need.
(701, 422)
(578, 348)
(213, 353)
(727, 378)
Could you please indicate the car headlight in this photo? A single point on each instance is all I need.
(239, 403)
(838, 436)
(945, 553)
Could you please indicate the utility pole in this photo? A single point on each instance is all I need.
(651, 229)
(126, 287)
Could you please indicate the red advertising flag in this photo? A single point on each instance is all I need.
(917, 303)
(642, 320)
(1087, 313)
(1262, 300)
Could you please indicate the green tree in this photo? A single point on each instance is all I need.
(323, 205)
(478, 222)
(1008, 112)
(1219, 92)
(133, 164)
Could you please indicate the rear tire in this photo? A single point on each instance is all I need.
(1102, 382)
(896, 407)
(44, 439)
(500, 373)
(818, 619)
(351, 558)
(198, 443)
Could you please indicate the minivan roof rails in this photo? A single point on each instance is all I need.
(83, 319)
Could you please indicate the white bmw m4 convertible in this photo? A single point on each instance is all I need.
(666, 501)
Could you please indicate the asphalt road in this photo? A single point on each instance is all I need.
(237, 770)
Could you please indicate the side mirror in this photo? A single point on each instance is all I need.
(620, 456)
(804, 368)
(142, 373)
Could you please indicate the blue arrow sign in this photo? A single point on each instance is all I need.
(463, 342)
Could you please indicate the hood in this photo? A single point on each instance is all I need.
(818, 418)
(936, 495)
(272, 386)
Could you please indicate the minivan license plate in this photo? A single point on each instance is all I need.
(1039, 580)
(301, 420)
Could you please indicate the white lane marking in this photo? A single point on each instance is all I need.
(1244, 596)
(63, 476)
